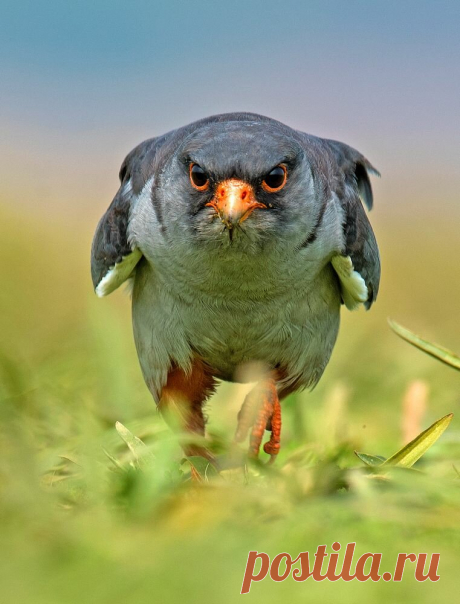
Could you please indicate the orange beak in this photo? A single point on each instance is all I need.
(234, 201)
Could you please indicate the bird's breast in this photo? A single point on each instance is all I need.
(235, 319)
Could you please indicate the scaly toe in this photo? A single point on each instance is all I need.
(261, 410)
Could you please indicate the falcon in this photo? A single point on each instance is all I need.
(241, 238)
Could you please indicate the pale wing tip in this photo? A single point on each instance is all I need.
(102, 290)
(118, 274)
(353, 286)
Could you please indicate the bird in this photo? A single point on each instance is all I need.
(241, 239)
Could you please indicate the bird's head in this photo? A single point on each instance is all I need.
(236, 185)
(235, 192)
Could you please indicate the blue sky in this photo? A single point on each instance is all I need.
(83, 82)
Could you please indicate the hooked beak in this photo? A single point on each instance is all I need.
(234, 201)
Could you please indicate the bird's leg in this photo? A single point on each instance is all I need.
(182, 400)
(261, 411)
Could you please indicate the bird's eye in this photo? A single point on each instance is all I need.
(275, 180)
(198, 177)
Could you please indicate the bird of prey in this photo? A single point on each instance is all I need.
(242, 237)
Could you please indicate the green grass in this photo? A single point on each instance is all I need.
(87, 515)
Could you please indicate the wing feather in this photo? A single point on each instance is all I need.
(113, 258)
(360, 257)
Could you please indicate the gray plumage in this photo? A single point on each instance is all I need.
(272, 292)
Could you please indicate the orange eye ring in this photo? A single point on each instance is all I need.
(275, 180)
(198, 177)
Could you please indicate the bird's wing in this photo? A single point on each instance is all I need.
(113, 258)
(358, 264)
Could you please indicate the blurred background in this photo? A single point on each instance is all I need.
(84, 82)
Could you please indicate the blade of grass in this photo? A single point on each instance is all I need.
(370, 460)
(135, 445)
(438, 352)
(116, 463)
(202, 467)
(408, 455)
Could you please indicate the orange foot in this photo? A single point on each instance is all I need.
(261, 410)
